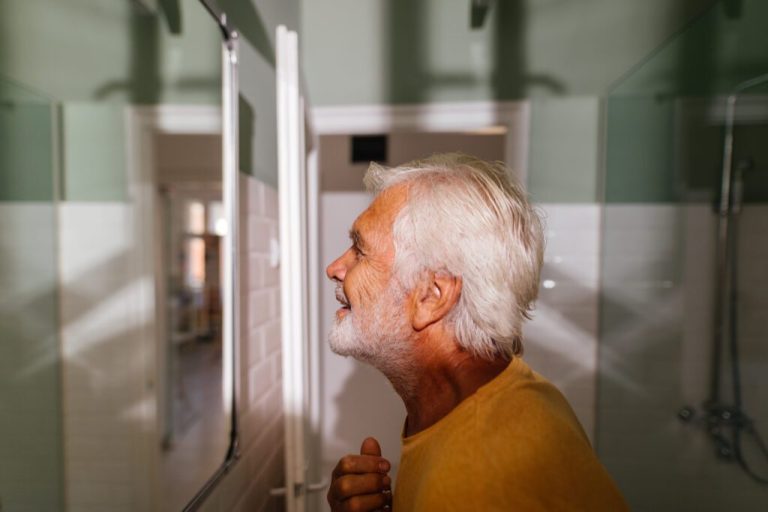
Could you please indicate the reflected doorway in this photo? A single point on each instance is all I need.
(190, 225)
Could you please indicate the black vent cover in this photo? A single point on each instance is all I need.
(369, 148)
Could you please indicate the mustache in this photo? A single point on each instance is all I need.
(341, 297)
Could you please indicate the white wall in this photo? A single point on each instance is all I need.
(104, 369)
(106, 377)
(30, 400)
(561, 340)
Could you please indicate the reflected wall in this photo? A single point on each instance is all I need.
(81, 393)
(78, 377)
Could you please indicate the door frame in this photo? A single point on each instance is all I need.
(435, 117)
(382, 119)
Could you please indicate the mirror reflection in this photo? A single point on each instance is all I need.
(192, 225)
(111, 229)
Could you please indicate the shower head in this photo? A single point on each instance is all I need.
(478, 12)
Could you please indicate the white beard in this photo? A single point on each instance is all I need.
(378, 335)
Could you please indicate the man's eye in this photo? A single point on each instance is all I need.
(357, 251)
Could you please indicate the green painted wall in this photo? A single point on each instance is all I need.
(93, 146)
(563, 56)
(640, 150)
(120, 56)
(257, 21)
(564, 152)
(724, 46)
(92, 50)
(87, 59)
(258, 113)
(404, 51)
(73, 151)
(26, 156)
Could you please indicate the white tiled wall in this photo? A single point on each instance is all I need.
(561, 339)
(103, 364)
(107, 461)
(655, 353)
(30, 409)
(260, 468)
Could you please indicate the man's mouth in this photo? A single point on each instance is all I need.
(342, 299)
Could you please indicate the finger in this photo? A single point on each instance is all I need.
(370, 447)
(358, 464)
(348, 486)
(365, 503)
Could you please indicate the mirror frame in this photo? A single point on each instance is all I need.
(230, 286)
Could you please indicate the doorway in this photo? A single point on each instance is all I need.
(356, 400)
(190, 229)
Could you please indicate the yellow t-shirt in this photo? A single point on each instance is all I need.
(514, 445)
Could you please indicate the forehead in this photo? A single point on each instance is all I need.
(376, 221)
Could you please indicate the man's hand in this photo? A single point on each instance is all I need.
(360, 482)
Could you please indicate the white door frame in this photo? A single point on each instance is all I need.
(143, 125)
(435, 117)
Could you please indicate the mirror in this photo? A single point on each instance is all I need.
(116, 257)
(191, 222)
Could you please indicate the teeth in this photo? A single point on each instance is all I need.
(341, 298)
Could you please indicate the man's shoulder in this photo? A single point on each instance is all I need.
(527, 408)
(518, 444)
(520, 390)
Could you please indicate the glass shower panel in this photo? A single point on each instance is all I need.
(670, 441)
(30, 403)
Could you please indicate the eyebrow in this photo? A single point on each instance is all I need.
(357, 240)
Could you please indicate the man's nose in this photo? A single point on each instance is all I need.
(337, 270)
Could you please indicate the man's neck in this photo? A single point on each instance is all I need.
(439, 381)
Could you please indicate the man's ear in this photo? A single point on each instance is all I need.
(435, 296)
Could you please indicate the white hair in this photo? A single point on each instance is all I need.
(469, 218)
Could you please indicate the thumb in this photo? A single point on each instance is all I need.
(370, 447)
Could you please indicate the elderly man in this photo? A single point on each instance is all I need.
(442, 271)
